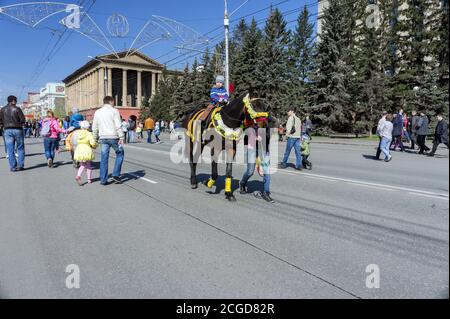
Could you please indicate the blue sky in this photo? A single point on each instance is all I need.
(22, 48)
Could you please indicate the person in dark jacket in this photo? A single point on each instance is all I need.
(422, 133)
(12, 121)
(398, 132)
(414, 121)
(440, 135)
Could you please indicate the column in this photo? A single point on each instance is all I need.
(110, 82)
(101, 85)
(124, 87)
(139, 89)
(153, 84)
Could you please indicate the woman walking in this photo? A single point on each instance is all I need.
(386, 137)
(50, 132)
(84, 153)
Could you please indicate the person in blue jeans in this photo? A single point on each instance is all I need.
(293, 133)
(12, 121)
(14, 138)
(252, 161)
(106, 145)
(107, 129)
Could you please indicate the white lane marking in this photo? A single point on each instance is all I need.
(143, 178)
(430, 196)
(338, 179)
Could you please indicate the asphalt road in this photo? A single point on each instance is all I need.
(154, 237)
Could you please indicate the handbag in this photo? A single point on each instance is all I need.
(293, 129)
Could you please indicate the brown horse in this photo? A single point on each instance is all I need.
(224, 124)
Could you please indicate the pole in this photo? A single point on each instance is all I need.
(227, 59)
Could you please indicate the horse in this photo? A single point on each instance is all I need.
(228, 121)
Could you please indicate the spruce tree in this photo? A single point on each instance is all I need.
(301, 52)
(246, 79)
(272, 68)
(332, 77)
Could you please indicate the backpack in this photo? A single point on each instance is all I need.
(46, 130)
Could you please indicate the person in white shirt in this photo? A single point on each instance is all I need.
(380, 123)
(385, 132)
(107, 129)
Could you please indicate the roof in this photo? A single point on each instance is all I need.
(122, 59)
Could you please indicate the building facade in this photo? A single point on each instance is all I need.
(129, 79)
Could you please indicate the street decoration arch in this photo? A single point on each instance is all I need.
(157, 29)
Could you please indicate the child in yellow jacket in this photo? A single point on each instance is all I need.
(84, 152)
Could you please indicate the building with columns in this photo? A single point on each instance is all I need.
(130, 80)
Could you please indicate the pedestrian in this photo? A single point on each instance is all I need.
(149, 126)
(76, 118)
(50, 131)
(406, 122)
(308, 127)
(414, 124)
(124, 127)
(157, 132)
(440, 134)
(380, 124)
(139, 132)
(306, 152)
(71, 145)
(258, 158)
(422, 133)
(12, 120)
(397, 132)
(293, 133)
(131, 129)
(280, 133)
(171, 127)
(107, 129)
(84, 153)
(385, 132)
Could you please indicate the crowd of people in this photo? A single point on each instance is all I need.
(393, 129)
(109, 130)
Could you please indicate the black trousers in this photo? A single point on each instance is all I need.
(435, 147)
(421, 140)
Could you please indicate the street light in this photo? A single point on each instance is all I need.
(105, 77)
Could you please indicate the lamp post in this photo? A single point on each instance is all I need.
(105, 77)
(226, 23)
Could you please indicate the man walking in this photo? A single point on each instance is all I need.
(380, 125)
(12, 120)
(414, 124)
(440, 135)
(308, 127)
(293, 133)
(422, 133)
(108, 131)
(149, 126)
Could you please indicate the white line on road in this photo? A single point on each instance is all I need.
(430, 196)
(143, 178)
(338, 179)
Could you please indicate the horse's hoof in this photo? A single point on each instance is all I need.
(194, 186)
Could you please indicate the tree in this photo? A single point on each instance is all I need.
(272, 68)
(333, 74)
(160, 106)
(245, 78)
(301, 52)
